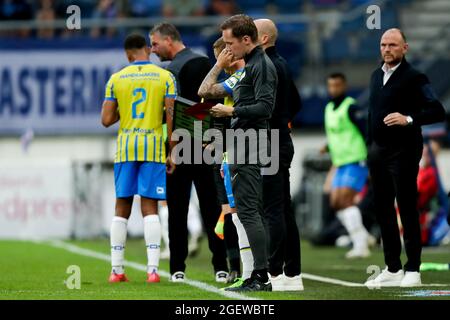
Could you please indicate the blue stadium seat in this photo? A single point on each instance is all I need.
(389, 18)
(326, 3)
(288, 6)
(369, 46)
(145, 8)
(336, 48)
(294, 52)
(312, 112)
(252, 5)
(358, 2)
(292, 27)
(356, 24)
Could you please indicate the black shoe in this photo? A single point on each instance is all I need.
(251, 284)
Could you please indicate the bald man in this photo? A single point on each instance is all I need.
(284, 240)
(401, 101)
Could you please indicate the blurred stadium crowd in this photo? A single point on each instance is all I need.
(316, 37)
(45, 10)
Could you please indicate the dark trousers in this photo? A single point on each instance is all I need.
(178, 194)
(246, 182)
(284, 239)
(394, 176)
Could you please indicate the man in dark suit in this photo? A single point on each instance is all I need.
(401, 101)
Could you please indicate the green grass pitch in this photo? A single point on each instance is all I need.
(31, 270)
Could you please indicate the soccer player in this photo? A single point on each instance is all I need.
(136, 97)
(347, 147)
(212, 89)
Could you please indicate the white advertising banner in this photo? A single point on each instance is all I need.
(36, 200)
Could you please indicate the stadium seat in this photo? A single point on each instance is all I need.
(292, 27)
(326, 3)
(288, 6)
(358, 2)
(369, 47)
(389, 18)
(353, 25)
(252, 5)
(256, 9)
(145, 8)
(294, 53)
(336, 48)
(312, 112)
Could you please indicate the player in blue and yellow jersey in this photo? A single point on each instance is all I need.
(236, 240)
(137, 97)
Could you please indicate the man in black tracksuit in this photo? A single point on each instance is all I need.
(284, 242)
(401, 101)
(254, 101)
(189, 69)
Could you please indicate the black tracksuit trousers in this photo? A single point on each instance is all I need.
(247, 186)
(279, 216)
(179, 186)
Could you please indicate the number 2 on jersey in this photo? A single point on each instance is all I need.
(135, 104)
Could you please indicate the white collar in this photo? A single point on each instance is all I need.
(385, 68)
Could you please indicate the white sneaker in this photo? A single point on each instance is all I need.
(358, 253)
(221, 276)
(177, 277)
(285, 283)
(277, 282)
(411, 279)
(386, 279)
(294, 283)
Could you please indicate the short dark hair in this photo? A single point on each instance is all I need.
(134, 41)
(337, 75)
(166, 30)
(241, 25)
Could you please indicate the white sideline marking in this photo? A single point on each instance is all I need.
(198, 284)
(355, 284)
(331, 280)
(141, 267)
(435, 285)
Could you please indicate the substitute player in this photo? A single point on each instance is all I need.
(347, 147)
(136, 97)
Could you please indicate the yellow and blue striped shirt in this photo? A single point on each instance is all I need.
(229, 85)
(139, 90)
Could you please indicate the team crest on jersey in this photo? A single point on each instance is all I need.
(234, 79)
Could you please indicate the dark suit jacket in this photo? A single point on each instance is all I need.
(189, 69)
(408, 91)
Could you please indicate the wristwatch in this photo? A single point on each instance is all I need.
(409, 120)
